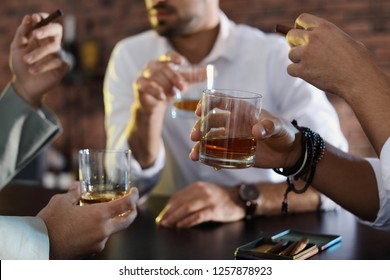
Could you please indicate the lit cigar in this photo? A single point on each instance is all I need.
(282, 29)
(49, 19)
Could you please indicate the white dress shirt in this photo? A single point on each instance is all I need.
(382, 172)
(245, 58)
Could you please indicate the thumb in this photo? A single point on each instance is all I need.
(74, 192)
(265, 129)
(21, 35)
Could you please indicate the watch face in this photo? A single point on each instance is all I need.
(249, 192)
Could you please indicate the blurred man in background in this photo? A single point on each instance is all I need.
(138, 89)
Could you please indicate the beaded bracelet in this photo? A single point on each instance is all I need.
(313, 150)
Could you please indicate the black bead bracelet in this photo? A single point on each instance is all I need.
(313, 150)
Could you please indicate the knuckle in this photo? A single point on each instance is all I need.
(56, 198)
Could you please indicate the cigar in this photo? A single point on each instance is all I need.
(295, 247)
(49, 19)
(277, 247)
(288, 250)
(299, 246)
(282, 29)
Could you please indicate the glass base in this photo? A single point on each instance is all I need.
(219, 163)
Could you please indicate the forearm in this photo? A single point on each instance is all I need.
(272, 196)
(349, 181)
(145, 135)
(370, 99)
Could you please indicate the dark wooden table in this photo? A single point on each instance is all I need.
(143, 240)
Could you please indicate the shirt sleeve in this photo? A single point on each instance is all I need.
(385, 164)
(146, 179)
(23, 238)
(118, 100)
(382, 220)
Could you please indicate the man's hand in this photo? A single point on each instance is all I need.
(155, 85)
(201, 202)
(35, 59)
(327, 57)
(76, 230)
(278, 141)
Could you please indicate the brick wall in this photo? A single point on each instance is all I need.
(78, 102)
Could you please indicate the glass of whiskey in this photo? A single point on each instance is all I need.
(104, 175)
(226, 128)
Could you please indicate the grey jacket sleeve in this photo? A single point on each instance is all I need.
(23, 133)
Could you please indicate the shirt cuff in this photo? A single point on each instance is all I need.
(382, 220)
(23, 238)
(146, 179)
(385, 164)
(41, 114)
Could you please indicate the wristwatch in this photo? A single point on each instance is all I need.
(249, 194)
